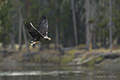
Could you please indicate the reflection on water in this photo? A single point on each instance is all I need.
(37, 72)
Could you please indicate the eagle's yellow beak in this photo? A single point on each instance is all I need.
(49, 39)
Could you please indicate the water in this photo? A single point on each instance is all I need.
(10, 71)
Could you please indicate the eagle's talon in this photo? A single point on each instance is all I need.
(34, 42)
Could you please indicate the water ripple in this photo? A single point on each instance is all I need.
(36, 73)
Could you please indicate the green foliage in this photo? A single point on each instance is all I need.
(5, 23)
(66, 59)
(94, 61)
(116, 22)
(59, 13)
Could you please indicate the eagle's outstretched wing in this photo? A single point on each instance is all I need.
(43, 26)
(33, 31)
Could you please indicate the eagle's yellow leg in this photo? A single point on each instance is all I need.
(36, 41)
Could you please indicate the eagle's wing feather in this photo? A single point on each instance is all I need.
(43, 25)
(33, 31)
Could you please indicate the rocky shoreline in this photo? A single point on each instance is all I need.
(69, 57)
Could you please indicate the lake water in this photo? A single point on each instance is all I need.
(13, 71)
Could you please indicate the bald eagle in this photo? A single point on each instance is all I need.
(40, 33)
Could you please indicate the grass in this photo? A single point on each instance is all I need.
(95, 60)
(53, 56)
(66, 59)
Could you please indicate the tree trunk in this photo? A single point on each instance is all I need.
(57, 30)
(24, 33)
(74, 23)
(92, 26)
(20, 31)
(87, 12)
(110, 24)
(12, 34)
(12, 41)
(25, 38)
(57, 38)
